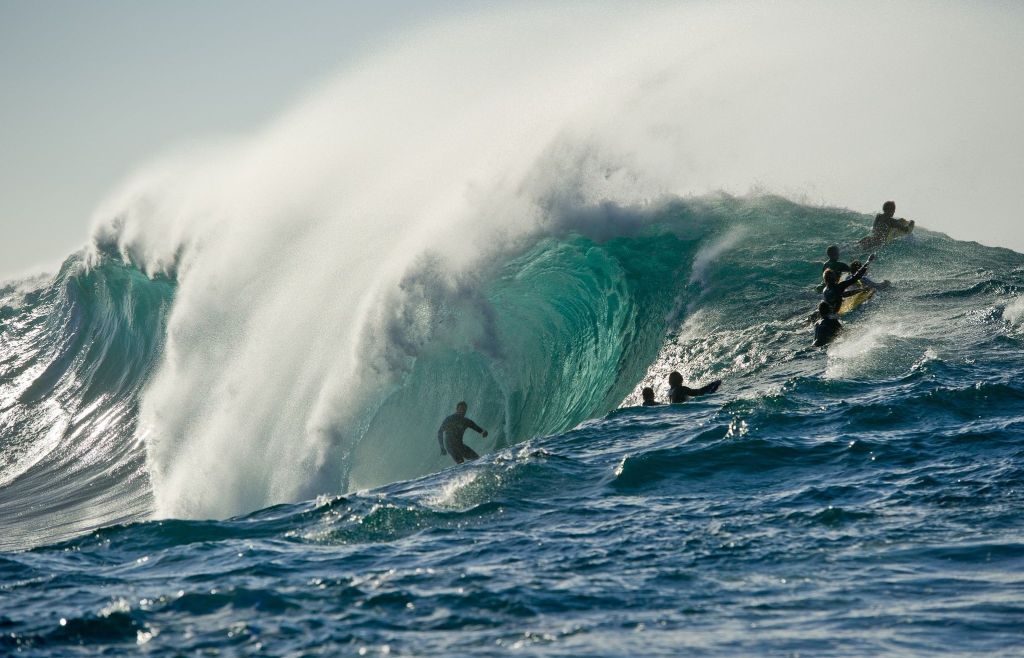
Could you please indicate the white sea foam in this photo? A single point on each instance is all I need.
(1014, 311)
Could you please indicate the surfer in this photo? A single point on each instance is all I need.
(835, 289)
(449, 435)
(679, 393)
(827, 327)
(886, 221)
(833, 263)
(648, 395)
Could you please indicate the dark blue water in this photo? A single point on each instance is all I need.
(858, 501)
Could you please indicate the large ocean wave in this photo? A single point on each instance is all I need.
(548, 333)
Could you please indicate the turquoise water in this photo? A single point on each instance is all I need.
(860, 500)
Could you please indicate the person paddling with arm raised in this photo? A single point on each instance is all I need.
(449, 435)
(679, 393)
(835, 289)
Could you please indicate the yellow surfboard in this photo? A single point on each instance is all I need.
(855, 300)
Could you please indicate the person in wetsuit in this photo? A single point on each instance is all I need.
(833, 263)
(679, 393)
(648, 395)
(835, 289)
(886, 221)
(827, 327)
(449, 435)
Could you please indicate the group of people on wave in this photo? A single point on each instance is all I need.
(453, 428)
(833, 292)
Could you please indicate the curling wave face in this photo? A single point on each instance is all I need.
(76, 352)
(553, 332)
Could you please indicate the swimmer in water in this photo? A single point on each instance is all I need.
(827, 327)
(679, 393)
(648, 395)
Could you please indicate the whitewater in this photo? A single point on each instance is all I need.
(219, 416)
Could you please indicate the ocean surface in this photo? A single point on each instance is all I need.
(860, 500)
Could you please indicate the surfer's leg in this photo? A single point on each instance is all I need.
(469, 453)
(454, 448)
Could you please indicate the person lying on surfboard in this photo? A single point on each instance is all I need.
(886, 221)
(835, 289)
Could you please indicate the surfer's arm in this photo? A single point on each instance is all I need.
(440, 440)
(856, 276)
(476, 428)
(710, 388)
(694, 392)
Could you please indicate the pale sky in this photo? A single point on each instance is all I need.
(94, 90)
(91, 90)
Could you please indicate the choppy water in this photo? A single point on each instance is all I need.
(860, 500)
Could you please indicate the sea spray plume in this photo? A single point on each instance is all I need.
(287, 244)
(706, 256)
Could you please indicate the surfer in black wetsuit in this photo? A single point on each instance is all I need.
(835, 289)
(679, 393)
(449, 435)
(648, 395)
(886, 221)
(827, 327)
(833, 263)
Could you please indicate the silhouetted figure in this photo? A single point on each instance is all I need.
(835, 289)
(648, 395)
(679, 393)
(449, 435)
(833, 263)
(886, 221)
(827, 327)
